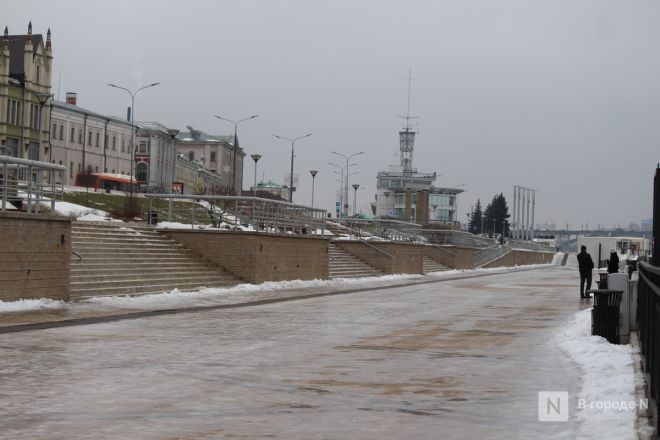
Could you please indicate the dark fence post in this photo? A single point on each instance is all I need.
(655, 247)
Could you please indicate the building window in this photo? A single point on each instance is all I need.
(141, 172)
(72, 136)
(62, 132)
(13, 112)
(98, 140)
(191, 156)
(212, 156)
(80, 137)
(54, 130)
(144, 146)
(96, 169)
(89, 138)
(123, 146)
(12, 144)
(71, 170)
(33, 151)
(114, 144)
(79, 168)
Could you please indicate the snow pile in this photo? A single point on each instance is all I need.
(606, 403)
(97, 218)
(175, 296)
(26, 305)
(557, 259)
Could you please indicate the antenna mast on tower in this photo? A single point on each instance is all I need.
(407, 135)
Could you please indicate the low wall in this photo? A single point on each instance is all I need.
(406, 258)
(521, 257)
(257, 257)
(35, 257)
(451, 256)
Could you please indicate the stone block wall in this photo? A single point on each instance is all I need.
(451, 256)
(35, 257)
(406, 258)
(521, 257)
(256, 257)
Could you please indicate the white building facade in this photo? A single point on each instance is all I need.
(88, 143)
(155, 157)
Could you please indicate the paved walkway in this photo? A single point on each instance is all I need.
(457, 359)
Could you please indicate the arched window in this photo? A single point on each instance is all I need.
(141, 173)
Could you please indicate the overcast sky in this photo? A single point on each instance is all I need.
(563, 96)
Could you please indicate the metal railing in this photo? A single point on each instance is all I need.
(455, 238)
(648, 323)
(491, 253)
(393, 230)
(26, 184)
(531, 246)
(237, 213)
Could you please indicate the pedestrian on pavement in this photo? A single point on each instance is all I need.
(613, 262)
(586, 265)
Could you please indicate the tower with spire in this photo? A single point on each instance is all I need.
(403, 193)
(25, 89)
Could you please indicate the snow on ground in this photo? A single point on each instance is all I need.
(176, 298)
(608, 382)
(26, 305)
(557, 259)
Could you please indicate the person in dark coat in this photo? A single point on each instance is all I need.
(613, 262)
(586, 265)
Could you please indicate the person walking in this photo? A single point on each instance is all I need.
(586, 265)
(613, 262)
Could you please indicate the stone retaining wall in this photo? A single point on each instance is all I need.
(451, 256)
(35, 257)
(521, 257)
(406, 258)
(256, 257)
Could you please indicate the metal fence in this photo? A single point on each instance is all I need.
(531, 246)
(456, 238)
(393, 230)
(491, 253)
(648, 323)
(236, 213)
(26, 184)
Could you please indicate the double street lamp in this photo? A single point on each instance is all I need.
(348, 158)
(293, 142)
(235, 149)
(133, 94)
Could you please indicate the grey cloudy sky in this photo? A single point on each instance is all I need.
(563, 96)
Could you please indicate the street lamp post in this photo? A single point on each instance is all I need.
(43, 99)
(235, 148)
(348, 158)
(255, 158)
(355, 189)
(293, 142)
(133, 94)
(313, 173)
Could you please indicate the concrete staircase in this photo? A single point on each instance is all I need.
(430, 265)
(345, 265)
(123, 260)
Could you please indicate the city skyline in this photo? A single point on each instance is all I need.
(553, 96)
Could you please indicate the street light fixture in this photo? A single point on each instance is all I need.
(255, 158)
(235, 147)
(132, 94)
(355, 188)
(293, 142)
(348, 158)
(313, 173)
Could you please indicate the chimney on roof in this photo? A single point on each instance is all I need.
(72, 98)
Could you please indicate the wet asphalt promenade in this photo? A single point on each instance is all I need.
(456, 359)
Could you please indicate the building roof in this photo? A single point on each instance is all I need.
(197, 136)
(83, 111)
(17, 53)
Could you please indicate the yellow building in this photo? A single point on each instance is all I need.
(25, 95)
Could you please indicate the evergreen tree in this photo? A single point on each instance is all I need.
(475, 219)
(496, 216)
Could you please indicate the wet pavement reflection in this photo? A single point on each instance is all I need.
(456, 359)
